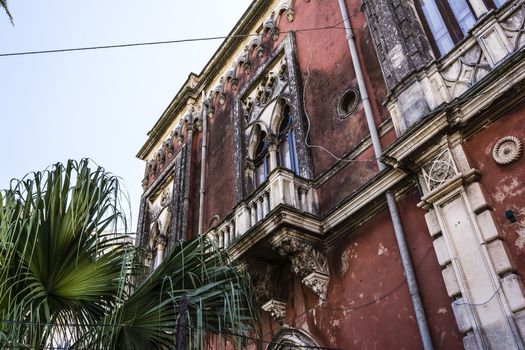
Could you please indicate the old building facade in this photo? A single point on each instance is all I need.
(364, 160)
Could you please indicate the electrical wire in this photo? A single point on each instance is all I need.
(164, 42)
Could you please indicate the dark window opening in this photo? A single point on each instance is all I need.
(286, 138)
(348, 103)
(261, 161)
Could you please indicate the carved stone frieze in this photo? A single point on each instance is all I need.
(318, 282)
(514, 27)
(507, 150)
(466, 71)
(439, 170)
(307, 262)
(271, 84)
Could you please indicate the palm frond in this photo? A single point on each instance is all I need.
(57, 253)
(215, 292)
(65, 275)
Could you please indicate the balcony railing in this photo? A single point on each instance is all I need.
(282, 187)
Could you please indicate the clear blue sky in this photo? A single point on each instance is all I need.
(97, 104)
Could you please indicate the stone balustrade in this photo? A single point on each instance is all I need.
(281, 188)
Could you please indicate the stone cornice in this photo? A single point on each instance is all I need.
(479, 106)
(279, 218)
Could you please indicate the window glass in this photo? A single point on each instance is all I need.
(437, 26)
(287, 152)
(293, 152)
(498, 3)
(261, 171)
(463, 15)
(261, 160)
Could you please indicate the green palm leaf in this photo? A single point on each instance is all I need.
(65, 274)
(59, 261)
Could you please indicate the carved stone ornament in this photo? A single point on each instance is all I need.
(262, 289)
(276, 308)
(439, 170)
(507, 150)
(308, 263)
(318, 282)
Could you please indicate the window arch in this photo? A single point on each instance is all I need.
(287, 153)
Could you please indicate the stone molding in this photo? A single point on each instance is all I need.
(468, 247)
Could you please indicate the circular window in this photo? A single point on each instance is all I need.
(348, 103)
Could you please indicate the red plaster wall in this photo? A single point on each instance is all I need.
(344, 183)
(220, 177)
(368, 304)
(437, 303)
(327, 71)
(504, 184)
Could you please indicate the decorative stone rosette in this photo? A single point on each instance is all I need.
(507, 150)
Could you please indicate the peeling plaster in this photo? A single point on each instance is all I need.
(442, 310)
(520, 242)
(348, 254)
(508, 187)
(382, 250)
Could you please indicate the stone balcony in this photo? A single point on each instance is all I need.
(267, 232)
(282, 188)
(493, 40)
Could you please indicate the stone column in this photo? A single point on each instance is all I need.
(399, 38)
(161, 245)
(272, 150)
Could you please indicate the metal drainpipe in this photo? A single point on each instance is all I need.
(396, 220)
(203, 164)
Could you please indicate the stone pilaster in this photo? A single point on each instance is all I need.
(399, 38)
(488, 297)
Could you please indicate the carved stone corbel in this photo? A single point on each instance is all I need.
(276, 308)
(268, 288)
(308, 263)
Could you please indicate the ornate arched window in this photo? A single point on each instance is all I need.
(286, 141)
(261, 160)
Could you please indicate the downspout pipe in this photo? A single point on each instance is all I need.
(204, 146)
(392, 207)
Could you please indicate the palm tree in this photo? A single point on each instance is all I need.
(3, 3)
(68, 280)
